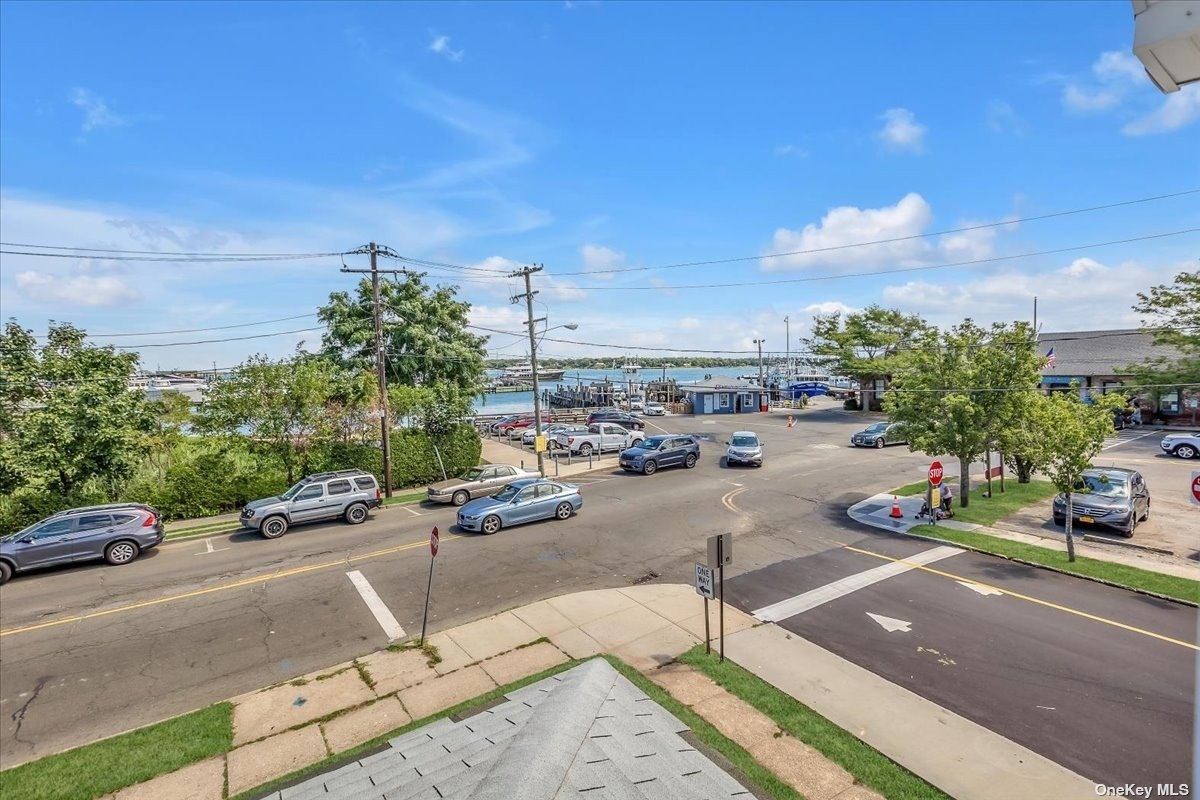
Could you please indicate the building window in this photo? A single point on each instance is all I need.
(724, 400)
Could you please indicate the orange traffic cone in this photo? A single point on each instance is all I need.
(896, 512)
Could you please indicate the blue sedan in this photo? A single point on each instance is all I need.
(521, 501)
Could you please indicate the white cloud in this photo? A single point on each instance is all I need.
(790, 150)
(827, 244)
(690, 323)
(1177, 110)
(1002, 118)
(74, 291)
(597, 258)
(901, 132)
(829, 307)
(96, 113)
(1114, 74)
(441, 46)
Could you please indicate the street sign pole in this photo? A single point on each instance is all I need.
(707, 633)
(704, 588)
(433, 550)
(721, 579)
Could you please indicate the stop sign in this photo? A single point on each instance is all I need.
(433, 541)
(935, 473)
(1196, 487)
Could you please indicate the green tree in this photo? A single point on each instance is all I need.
(954, 392)
(67, 416)
(172, 413)
(425, 334)
(864, 344)
(280, 404)
(1066, 435)
(1172, 314)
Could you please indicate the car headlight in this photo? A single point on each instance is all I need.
(247, 512)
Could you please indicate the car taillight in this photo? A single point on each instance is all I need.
(378, 494)
(151, 520)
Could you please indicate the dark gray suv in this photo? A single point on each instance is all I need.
(117, 533)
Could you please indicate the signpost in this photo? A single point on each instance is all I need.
(704, 588)
(933, 498)
(1196, 486)
(720, 553)
(433, 550)
(935, 473)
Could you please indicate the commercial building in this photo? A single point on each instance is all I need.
(725, 396)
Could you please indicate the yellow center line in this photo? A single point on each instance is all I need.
(287, 573)
(1027, 598)
(727, 500)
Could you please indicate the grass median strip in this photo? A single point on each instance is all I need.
(1119, 574)
(111, 764)
(864, 762)
(984, 510)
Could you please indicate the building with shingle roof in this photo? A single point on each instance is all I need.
(587, 733)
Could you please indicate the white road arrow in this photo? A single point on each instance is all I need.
(975, 587)
(891, 625)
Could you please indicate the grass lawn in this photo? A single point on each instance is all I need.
(861, 760)
(403, 498)
(97, 769)
(1120, 574)
(983, 510)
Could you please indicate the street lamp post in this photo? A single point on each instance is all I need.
(537, 399)
(787, 358)
(759, 342)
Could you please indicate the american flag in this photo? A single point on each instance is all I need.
(1049, 362)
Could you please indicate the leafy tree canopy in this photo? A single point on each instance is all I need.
(865, 343)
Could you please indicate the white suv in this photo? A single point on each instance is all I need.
(1184, 445)
(348, 494)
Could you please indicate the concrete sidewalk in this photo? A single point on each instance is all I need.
(875, 511)
(284, 728)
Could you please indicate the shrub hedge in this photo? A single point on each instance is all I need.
(209, 475)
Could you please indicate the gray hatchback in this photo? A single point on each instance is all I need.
(117, 533)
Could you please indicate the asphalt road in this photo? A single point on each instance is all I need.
(94, 650)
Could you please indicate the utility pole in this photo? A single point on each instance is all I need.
(525, 272)
(787, 358)
(381, 369)
(380, 355)
(759, 342)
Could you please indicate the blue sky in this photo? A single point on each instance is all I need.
(585, 136)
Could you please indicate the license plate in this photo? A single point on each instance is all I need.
(1086, 519)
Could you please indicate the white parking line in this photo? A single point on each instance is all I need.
(1131, 439)
(840, 588)
(208, 543)
(375, 603)
(409, 510)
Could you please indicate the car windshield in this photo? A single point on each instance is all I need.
(744, 441)
(292, 492)
(651, 443)
(507, 493)
(472, 474)
(878, 427)
(1104, 485)
(12, 536)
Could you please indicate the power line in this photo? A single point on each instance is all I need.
(196, 330)
(214, 341)
(892, 240)
(810, 279)
(165, 254)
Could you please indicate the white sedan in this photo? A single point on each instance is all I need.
(1184, 445)
(655, 410)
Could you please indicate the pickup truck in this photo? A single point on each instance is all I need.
(599, 438)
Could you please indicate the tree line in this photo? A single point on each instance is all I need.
(73, 433)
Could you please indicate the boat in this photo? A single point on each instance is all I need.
(525, 372)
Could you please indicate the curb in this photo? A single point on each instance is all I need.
(1087, 537)
(184, 536)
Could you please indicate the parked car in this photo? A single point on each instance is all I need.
(637, 402)
(1109, 497)
(599, 438)
(117, 533)
(660, 451)
(622, 418)
(521, 501)
(1184, 445)
(879, 435)
(494, 427)
(744, 448)
(482, 481)
(519, 423)
(348, 493)
(548, 428)
(655, 410)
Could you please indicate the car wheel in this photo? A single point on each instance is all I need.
(273, 527)
(356, 514)
(563, 511)
(6, 572)
(879, 444)
(491, 524)
(121, 552)
(690, 461)
(460, 497)
(1185, 451)
(586, 449)
(1128, 532)
(649, 468)
(1146, 516)
(1060, 520)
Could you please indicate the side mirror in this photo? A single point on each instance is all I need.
(26, 540)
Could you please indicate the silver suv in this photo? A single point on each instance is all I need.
(348, 494)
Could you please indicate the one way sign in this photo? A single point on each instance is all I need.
(704, 581)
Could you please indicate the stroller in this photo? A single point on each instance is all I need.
(945, 510)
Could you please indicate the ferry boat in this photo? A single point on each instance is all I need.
(525, 372)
